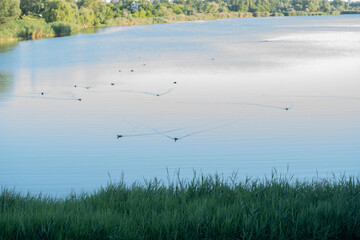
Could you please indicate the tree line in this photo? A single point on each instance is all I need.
(98, 12)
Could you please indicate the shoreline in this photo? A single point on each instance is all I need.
(66, 29)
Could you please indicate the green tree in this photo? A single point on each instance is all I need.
(312, 5)
(176, 8)
(26, 6)
(338, 4)
(164, 11)
(212, 7)
(59, 10)
(102, 10)
(9, 9)
(86, 17)
(32, 7)
(325, 6)
(90, 4)
(142, 13)
(105, 11)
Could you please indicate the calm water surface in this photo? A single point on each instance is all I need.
(234, 80)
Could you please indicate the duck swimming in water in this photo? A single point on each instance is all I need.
(149, 93)
(148, 134)
(193, 133)
(288, 108)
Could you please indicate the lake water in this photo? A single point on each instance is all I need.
(234, 80)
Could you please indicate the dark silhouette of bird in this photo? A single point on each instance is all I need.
(212, 59)
(288, 108)
(131, 70)
(263, 105)
(149, 93)
(75, 86)
(147, 134)
(174, 82)
(42, 93)
(144, 64)
(119, 70)
(87, 87)
(112, 84)
(79, 99)
(193, 133)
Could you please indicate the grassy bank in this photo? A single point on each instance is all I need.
(130, 20)
(29, 28)
(203, 208)
(351, 12)
(34, 29)
(127, 21)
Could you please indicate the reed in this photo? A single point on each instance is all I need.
(25, 29)
(205, 207)
(64, 29)
(350, 12)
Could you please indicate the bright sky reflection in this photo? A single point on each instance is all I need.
(247, 70)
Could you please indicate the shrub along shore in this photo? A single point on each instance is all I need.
(206, 207)
(25, 30)
(31, 29)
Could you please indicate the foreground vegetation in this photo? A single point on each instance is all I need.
(30, 29)
(206, 207)
(32, 19)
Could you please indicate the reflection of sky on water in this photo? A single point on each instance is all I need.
(239, 69)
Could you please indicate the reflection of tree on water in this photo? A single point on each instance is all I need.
(7, 46)
(5, 82)
(90, 30)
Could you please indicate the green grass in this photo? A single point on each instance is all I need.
(35, 29)
(64, 29)
(25, 29)
(350, 12)
(129, 20)
(30, 18)
(206, 207)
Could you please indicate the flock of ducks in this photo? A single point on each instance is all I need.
(177, 138)
(165, 133)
